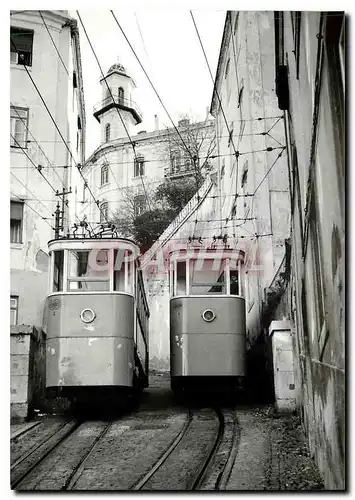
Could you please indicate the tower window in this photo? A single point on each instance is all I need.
(21, 44)
(107, 132)
(139, 166)
(104, 174)
(16, 219)
(18, 127)
(103, 211)
(120, 95)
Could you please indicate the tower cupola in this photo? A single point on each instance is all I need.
(116, 104)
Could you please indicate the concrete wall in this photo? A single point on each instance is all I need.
(318, 282)
(45, 148)
(27, 364)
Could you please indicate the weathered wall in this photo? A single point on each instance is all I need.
(318, 272)
(27, 364)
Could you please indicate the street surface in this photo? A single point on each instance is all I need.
(163, 445)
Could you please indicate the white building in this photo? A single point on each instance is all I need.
(115, 171)
(41, 163)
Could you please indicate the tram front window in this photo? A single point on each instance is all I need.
(88, 270)
(207, 277)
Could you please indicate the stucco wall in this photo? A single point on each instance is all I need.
(320, 340)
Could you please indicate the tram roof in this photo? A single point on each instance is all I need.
(88, 243)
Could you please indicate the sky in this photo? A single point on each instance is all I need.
(168, 47)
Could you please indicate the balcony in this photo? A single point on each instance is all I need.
(179, 171)
(119, 103)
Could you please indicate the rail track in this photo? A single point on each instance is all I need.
(199, 457)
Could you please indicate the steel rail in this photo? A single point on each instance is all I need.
(78, 470)
(24, 429)
(197, 483)
(72, 426)
(166, 454)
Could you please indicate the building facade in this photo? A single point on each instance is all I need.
(127, 167)
(45, 70)
(310, 84)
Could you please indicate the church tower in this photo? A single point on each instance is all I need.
(122, 87)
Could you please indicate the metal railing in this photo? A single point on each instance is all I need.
(120, 101)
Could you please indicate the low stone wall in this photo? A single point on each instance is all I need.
(27, 365)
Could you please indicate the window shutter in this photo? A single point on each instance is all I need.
(16, 211)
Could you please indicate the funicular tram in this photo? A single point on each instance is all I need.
(207, 320)
(96, 320)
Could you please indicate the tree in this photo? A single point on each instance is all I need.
(188, 161)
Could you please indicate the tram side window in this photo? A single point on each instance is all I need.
(205, 278)
(58, 271)
(123, 259)
(181, 278)
(88, 271)
(234, 282)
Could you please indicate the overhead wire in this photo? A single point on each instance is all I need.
(29, 191)
(35, 211)
(37, 167)
(28, 130)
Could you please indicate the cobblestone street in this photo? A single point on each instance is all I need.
(262, 453)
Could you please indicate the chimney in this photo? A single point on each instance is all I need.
(156, 120)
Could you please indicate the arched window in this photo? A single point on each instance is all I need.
(104, 174)
(103, 211)
(107, 132)
(120, 95)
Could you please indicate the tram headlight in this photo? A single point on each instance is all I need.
(208, 315)
(87, 315)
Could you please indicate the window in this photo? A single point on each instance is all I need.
(139, 166)
(75, 81)
(230, 138)
(223, 168)
(88, 270)
(236, 23)
(120, 95)
(107, 132)
(317, 264)
(103, 211)
(21, 44)
(296, 26)
(139, 205)
(16, 218)
(13, 309)
(245, 174)
(18, 127)
(79, 123)
(240, 96)
(227, 69)
(58, 271)
(175, 162)
(104, 174)
(207, 280)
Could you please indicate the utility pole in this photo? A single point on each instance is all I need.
(59, 213)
